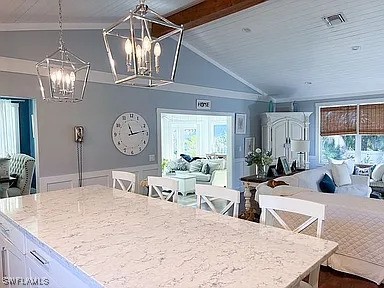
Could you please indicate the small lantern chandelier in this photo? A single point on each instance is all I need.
(62, 75)
(135, 56)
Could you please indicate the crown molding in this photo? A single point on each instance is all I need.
(331, 96)
(21, 66)
(51, 26)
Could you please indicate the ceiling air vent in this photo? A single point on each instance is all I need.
(334, 20)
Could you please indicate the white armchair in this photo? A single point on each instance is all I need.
(23, 167)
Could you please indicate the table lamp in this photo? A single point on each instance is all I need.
(301, 147)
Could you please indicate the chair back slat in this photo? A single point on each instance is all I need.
(119, 177)
(165, 188)
(207, 192)
(315, 211)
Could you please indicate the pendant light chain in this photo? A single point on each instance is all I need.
(61, 41)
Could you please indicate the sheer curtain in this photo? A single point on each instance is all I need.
(9, 128)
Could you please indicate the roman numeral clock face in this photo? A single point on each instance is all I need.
(130, 133)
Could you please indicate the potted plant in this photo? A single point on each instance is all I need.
(261, 159)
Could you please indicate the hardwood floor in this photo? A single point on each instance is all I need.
(332, 279)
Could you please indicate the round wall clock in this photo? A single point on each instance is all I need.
(130, 133)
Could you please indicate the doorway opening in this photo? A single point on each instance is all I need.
(196, 144)
(18, 135)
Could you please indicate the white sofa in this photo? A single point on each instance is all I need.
(352, 220)
(218, 177)
(310, 179)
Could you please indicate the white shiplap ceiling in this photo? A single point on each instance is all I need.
(289, 44)
(80, 11)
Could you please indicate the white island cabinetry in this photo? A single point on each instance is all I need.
(25, 264)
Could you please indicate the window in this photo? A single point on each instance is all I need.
(9, 128)
(195, 135)
(352, 131)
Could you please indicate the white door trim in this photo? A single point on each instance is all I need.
(231, 142)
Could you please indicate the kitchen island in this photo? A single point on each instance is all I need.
(102, 237)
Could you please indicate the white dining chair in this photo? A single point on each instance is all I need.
(126, 180)
(208, 193)
(165, 188)
(315, 212)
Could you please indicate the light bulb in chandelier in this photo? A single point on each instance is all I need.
(73, 79)
(53, 77)
(128, 50)
(139, 56)
(157, 53)
(73, 76)
(146, 44)
(146, 51)
(67, 80)
(58, 75)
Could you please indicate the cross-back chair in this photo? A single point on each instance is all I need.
(210, 192)
(126, 180)
(315, 212)
(165, 188)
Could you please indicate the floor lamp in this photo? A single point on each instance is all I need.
(301, 147)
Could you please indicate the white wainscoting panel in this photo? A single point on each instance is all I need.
(103, 177)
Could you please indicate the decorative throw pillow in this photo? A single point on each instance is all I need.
(364, 171)
(196, 166)
(205, 169)
(213, 166)
(341, 174)
(350, 164)
(327, 185)
(186, 157)
(377, 173)
(181, 165)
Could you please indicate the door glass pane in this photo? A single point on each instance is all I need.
(220, 139)
(190, 141)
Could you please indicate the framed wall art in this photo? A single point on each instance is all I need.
(249, 145)
(240, 123)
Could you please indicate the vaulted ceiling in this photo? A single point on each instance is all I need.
(282, 47)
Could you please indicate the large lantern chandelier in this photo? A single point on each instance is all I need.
(136, 54)
(62, 75)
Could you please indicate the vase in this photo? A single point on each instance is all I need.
(260, 171)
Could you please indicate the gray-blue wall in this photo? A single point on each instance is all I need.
(103, 103)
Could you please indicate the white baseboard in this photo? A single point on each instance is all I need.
(103, 177)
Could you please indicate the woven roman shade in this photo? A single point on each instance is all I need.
(371, 119)
(340, 120)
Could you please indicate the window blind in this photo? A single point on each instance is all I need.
(371, 119)
(340, 120)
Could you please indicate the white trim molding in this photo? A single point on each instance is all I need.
(15, 65)
(231, 138)
(102, 177)
(330, 96)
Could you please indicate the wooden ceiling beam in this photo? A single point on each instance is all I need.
(205, 12)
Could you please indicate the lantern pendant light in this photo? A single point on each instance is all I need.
(62, 75)
(136, 53)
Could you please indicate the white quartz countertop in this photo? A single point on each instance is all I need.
(127, 240)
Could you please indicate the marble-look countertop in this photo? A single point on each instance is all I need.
(125, 240)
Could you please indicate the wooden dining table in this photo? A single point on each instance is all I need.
(121, 239)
